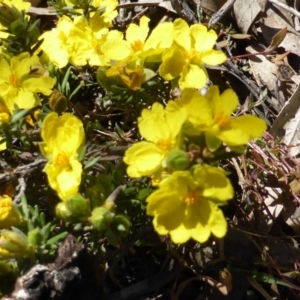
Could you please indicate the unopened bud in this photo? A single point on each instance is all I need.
(101, 218)
(78, 206)
(35, 237)
(13, 245)
(8, 15)
(178, 160)
(58, 102)
(120, 225)
(63, 212)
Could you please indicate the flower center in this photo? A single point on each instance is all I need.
(95, 44)
(222, 120)
(13, 80)
(191, 198)
(192, 54)
(164, 145)
(137, 46)
(62, 37)
(62, 160)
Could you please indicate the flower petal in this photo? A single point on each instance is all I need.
(214, 182)
(242, 130)
(213, 57)
(173, 61)
(64, 179)
(153, 126)
(138, 33)
(193, 76)
(204, 40)
(144, 159)
(225, 103)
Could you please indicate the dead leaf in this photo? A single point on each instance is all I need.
(246, 13)
(240, 36)
(287, 123)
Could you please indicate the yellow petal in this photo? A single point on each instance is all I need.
(138, 33)
(214, 183)
(217, 222)
(63, 133)
(242, 130)
(204, 41)
(194, 102)
(161, 37)
(42, 85)
(193, 76)
(64, 179)
(226, 103)
(182, 34)
(213, 57)
(116, 49)
(143, 159)
(153, 125)
(173, 61)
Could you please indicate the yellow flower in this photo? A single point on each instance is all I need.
(109, 6)
(9, 215)
(212, 114)
(54, 44)
(185, 205)
(78, 41)
(85, 40)
(62, 139)
(138, 45)
(161, 129)
(18, 86)
(191, 50)
(130, 73)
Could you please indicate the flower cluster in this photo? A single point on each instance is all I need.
(189, 190)
(174, 50)
(180, 138)
(79, 40)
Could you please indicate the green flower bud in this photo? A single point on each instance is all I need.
(14, 245)
(8, 15)
(78, 206)
(35, 237)
(178, 160)
(8, 269)
(120, 225)
(63, 212)
(58, 102)
(101, 218)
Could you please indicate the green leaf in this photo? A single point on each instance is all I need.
(57, 238)
(19, 115)
(91, 162)
(277, 39)
(24, 206)
(46, 230)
